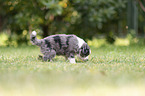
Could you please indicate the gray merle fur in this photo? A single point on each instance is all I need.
(61, 44)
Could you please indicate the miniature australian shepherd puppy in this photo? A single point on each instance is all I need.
(62, 44)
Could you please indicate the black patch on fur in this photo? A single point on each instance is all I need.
(86, 52)
(48, 43)
(58, 40)
(33, 38)
(68, 38)
(72, 56)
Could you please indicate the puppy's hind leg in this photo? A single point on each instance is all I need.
(49, 55)
(52, 54)
(40, 57)
(45, 57)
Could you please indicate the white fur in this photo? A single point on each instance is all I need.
(72, 60)
(90, 51)
(86, 58)
(34, 33)
(81, 42)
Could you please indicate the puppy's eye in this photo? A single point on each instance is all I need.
(85, 51)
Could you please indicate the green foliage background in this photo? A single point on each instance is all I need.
(85, 18)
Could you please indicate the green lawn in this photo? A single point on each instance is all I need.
(110, 71)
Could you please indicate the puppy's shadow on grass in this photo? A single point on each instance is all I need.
(40, 57)
(80, 61)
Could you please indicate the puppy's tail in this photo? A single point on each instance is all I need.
(34, 39)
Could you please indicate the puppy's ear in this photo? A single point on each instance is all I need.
(85, 49)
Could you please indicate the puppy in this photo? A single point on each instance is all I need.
(62, 44)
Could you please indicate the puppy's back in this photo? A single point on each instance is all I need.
(62, 43)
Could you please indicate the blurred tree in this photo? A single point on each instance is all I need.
(132, 17)
(19, 15)
(141, 25)
(96, 16)
(141, 3)
(29, 14)
(85, 18)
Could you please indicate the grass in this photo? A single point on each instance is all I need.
(110, 71)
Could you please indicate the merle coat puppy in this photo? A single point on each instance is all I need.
(62, 44)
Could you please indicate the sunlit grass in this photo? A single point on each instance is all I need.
(122, 42)
(3, 39)
(111, 70)
(97, 42)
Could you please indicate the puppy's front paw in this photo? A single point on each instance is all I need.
(72, 60)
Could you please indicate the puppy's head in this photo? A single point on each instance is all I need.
(84, 52)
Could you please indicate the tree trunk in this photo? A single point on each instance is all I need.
(45, 29)
(132, 16)
(0, 23)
